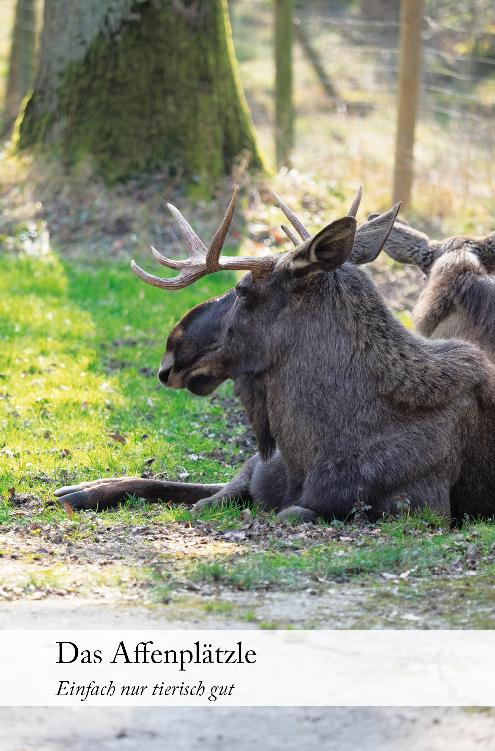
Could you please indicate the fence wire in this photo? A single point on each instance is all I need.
(455, 135)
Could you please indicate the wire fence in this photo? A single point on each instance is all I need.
(455, 130)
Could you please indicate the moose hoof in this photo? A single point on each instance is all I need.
(210, 502)
(98, 494)
(296, 515)
(79, 501)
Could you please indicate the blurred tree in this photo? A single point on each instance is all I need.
(22, 59)
(138, 84)
(380, 10)
(284, 114)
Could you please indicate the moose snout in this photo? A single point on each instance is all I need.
(163, 375)
(165, 369)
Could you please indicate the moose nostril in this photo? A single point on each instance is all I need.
(163, 375)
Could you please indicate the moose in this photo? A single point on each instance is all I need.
(458, 301)
(347, 405)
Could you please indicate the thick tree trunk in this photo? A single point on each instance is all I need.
(22, 58)
(140, 83)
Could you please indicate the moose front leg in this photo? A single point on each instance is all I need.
(265, 483)
(101, 494)
(328, 491)
(238, 487)
(411, 462)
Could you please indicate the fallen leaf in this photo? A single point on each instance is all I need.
(69, 510)
(117, 437)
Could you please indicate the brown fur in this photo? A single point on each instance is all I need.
(458, 300)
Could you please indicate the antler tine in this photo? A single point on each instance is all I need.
(290, 234)
(355, 204)
(184, 279)
(169, 262)
(296, 223)
(197, 247)
(216, 244)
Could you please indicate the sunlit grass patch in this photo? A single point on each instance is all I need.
(423, 520)
(391, 556)
(136, 511)
(219, 607)
(79, 347)
(5, 511)
(24, 580)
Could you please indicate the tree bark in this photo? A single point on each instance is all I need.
(137, 84)
(21, 60)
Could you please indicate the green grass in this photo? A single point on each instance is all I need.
(74, 336)
(219, 607)
(409, 545)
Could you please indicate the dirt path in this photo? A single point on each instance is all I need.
(270, 729)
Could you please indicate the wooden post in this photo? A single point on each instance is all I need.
(284, 116)
(409, 76)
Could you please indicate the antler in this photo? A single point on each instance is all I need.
(355, 204)
(202, 260)
(296, 223)
(299, 226)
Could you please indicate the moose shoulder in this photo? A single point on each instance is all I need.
(347, 405)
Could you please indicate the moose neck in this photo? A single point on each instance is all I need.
(343, 341)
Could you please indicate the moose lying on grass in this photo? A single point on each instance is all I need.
(347, 405)
(458, 301)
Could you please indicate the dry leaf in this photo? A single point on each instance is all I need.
(69, 510)
(117, 437)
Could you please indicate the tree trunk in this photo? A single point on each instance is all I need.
(138, 84)
(284, 114)
(22, 58)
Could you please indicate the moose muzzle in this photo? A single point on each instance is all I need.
(165, 370)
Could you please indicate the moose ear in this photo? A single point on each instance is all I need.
(327, 250)
(371, 237)
(486, 251)
(408, 245)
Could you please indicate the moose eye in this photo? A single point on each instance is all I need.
(242, 291)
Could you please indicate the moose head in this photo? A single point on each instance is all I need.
(246, 330)
(409, 245)
(458, 300)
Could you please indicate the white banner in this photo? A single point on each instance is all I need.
(247, 668)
